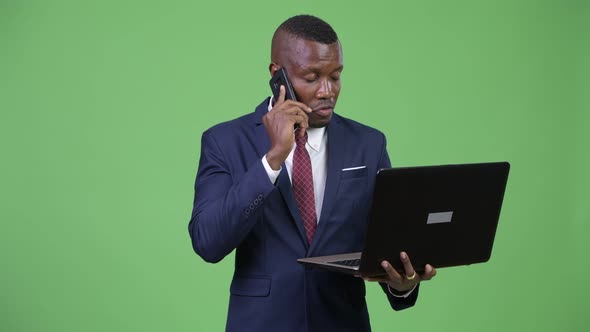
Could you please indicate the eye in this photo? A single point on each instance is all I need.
(310, 78)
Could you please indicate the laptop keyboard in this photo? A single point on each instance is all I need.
(348, 262)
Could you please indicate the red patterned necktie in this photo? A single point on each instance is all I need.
(303, 185)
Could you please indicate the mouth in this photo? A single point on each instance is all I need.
(324, 110)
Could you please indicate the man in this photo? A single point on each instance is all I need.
(275, 194)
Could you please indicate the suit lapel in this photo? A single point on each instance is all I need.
(336, 151)
(286, 188)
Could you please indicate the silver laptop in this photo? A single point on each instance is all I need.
(440, 215)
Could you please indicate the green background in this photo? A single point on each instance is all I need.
(103, 104)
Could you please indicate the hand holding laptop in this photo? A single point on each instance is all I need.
(406, 281)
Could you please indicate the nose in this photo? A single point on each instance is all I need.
(326, 90)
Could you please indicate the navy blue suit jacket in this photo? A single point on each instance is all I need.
(237, 207)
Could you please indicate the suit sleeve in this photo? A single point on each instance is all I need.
(397, 303)
(225, 208)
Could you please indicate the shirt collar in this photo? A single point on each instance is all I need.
(315, 136)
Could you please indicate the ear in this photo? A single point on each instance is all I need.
(273, 68)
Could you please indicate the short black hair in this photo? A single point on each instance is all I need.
(310, 28)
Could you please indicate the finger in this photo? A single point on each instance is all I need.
(300, 119)
(391, 272)
(302, 131)
(282, 94)
(429, 272)
(303, 123)
(408, 268)
(303, 107)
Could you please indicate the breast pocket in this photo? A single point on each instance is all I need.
(352, 196)
(353, 173)
(353, 184)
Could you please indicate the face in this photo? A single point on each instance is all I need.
(314, 71)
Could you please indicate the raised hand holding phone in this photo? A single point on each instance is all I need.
(279, 123)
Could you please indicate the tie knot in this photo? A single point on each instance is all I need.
(300, 140)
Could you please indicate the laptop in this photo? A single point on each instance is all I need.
(443, 215)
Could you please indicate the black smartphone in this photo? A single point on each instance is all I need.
(278, 79)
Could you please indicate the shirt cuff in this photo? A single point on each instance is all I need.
(272, 174)
(401, 295)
